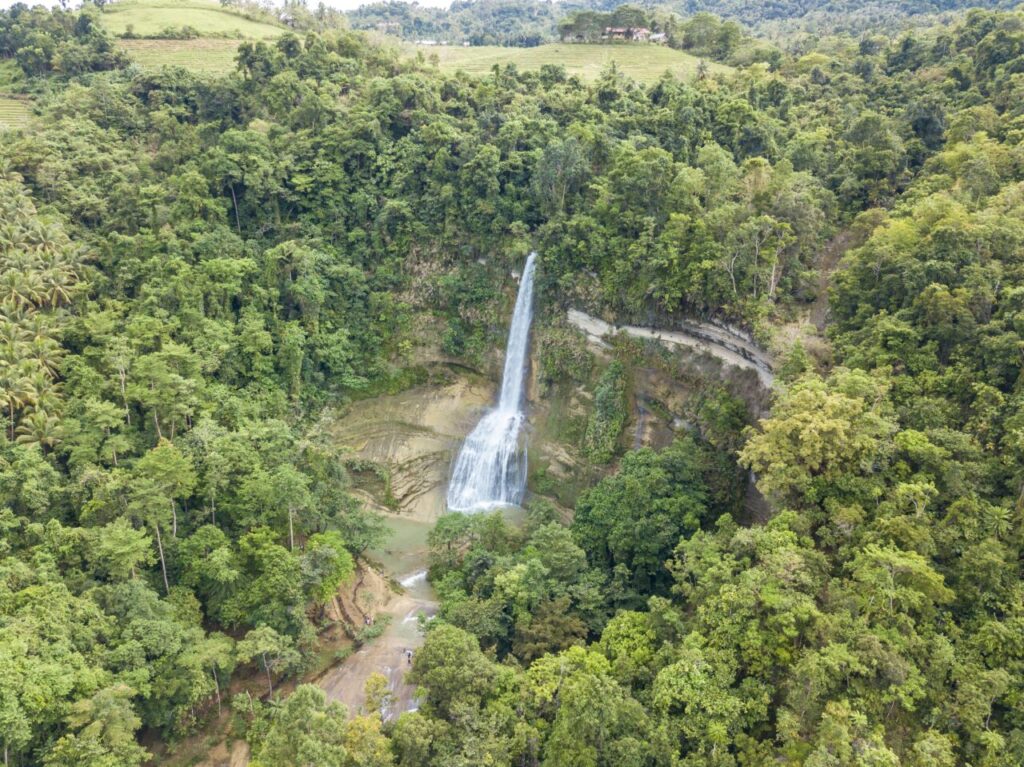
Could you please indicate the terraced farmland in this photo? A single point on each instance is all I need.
(14, 112)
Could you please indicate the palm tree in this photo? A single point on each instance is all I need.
(46, 352)
(9, 401)
(56, 287)
(46, 237)
(42, 391)
(59, 272)
(15, 392)
(38, 268)
(14, 212)
(21, 288)
(13, 341)
(39, 427)
(35, 325)
(7, 171)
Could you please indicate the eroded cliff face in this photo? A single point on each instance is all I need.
(667, 383)
(403, 444)
(410, 439)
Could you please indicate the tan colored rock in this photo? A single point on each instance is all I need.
(415, 435)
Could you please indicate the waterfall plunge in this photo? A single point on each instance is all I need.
(491, 468)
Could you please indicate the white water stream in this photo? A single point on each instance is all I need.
(490, 471)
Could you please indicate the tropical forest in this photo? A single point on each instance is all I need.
(648, 396)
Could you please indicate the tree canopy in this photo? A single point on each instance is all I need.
(192, 268)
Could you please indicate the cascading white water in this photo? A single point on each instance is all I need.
(490, 470)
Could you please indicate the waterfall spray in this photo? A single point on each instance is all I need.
(490, 470)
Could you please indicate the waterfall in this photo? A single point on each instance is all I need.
(490, 470)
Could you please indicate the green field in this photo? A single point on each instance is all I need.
(642, 62)
(151, 17)
(206, 56)
(14, 113)
(220, 28)
(645, 63)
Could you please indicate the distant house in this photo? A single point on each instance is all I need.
(659, 37)
(426, 42)
(637, 34)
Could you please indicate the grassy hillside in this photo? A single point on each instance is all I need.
(643, 62)
(13, 112)
(151, 17)
(220, 28)
(206, 55)
(646, 63)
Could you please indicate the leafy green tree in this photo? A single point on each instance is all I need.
(608, 417)
(153, 508)
(446, 539)
(635, 517)
(283, 492)
(451, 670)
(118, 548)
(305, 729)
(269, 590)
(326, 565)
(209, 567)
(216, 654)
(592, 720)
(106, 725)
(561, 173)
(166, 469)
(820, 433)
(276, 652)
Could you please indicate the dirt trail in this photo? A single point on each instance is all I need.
(725, 344)
(240, 754)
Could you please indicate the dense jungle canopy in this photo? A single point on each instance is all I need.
(192, 268)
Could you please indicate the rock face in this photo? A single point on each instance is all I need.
(415, 435)
(388, 654)
(727, 344)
